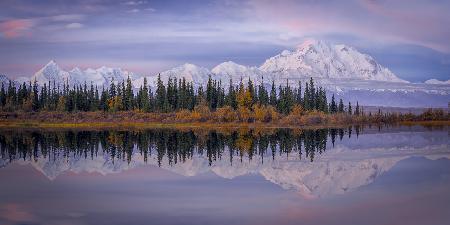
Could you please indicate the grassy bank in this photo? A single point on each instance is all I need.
(231, 119)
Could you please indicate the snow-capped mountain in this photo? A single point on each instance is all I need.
(49, 73)
(340, 69)
(319, 59)
(192, 73)
(100, 77)
(232, 71)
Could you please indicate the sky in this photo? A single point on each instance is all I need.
(410, 37)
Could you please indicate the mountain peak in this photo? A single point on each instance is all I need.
(76, 70)
(189, 65)
(315, 58)
(51, 63)
(228, 65)
(307, 43)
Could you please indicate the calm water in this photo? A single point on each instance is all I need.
(370, 175)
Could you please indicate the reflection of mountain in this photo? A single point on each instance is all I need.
(337, 171)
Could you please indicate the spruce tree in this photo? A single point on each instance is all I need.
(273, 95)
(312, 94)
(128, 100)
(112, 89)
(298, 98)
(357, 111)
(161, 96)
(341, 106)
(2, 96)
(144, 99)
(35, 97)
(333, 107)
(230, 99)
(306, 98)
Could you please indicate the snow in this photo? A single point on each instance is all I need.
(232, 71)
(323, 60)
(100, 77)
(4, 80)
(192, 73)
(435, 81)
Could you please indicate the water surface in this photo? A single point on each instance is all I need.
(357, 175)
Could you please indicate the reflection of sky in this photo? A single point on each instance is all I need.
(147, 36)
(415, 191)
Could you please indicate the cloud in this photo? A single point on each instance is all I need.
(150, 9)
(135, 3)
(15, 28)
(133, 10)
(420, 23)
(74, 26)
(67, 17)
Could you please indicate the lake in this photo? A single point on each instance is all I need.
(356, 175)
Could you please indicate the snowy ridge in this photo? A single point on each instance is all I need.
(434, 81)
(227, 71)
(100, 77)
(192, 73)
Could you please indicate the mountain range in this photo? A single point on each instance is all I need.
(340, 69)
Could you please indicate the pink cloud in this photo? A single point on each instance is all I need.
(15, 28)
(389, 21)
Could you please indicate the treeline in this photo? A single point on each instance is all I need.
(175, 95)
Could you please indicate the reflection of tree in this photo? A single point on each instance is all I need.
(171, 146)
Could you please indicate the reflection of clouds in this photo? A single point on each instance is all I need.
(13, 212)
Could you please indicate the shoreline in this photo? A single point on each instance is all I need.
(20, 123)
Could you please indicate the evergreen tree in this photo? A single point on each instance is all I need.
(128, 99)
(252, 92)
(333, 106)
(144, 97)
(35, 97)
(104, 100)
(357, 111)
(263, 96)
(298, 96)
(312, 94)
(349, 109)
(2, 96)
(112, 89)
(273, 95)
(341, 106)
(161, 97)
(306, 98)
(230, 99)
